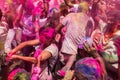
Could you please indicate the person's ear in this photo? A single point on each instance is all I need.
(57, 37)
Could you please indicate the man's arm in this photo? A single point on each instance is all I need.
(29, 59)
(21, 45)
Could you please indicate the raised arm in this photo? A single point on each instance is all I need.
(18, 16)
(68, 3)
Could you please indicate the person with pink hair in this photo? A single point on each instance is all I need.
(48, 50)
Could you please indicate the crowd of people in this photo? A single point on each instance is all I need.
(60, 40)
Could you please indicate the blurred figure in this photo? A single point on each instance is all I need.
(74, 36)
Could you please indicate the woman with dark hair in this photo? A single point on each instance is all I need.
(49, 48)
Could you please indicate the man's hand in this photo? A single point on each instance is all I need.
(13, 57)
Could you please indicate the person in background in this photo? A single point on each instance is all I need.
(15, 32)
(74, 36)
(109, 48)
(11, 33)
(94, 65)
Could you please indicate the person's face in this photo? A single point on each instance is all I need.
(102, 5)
(40, 5)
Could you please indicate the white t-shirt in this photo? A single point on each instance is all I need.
(53, 49)
(75, 33)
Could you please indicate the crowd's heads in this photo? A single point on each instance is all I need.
(0, 14)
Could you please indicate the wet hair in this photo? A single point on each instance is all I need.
(1, 14)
